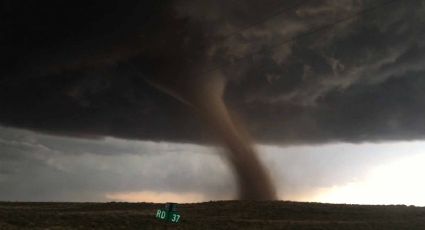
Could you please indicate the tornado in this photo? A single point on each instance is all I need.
(205, 95)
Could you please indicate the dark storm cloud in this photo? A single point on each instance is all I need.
(79, 70)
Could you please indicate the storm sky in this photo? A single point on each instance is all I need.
(339, 83)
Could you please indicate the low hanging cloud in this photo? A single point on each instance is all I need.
(357, 80)
(39, 167)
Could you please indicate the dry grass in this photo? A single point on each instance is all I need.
(210, 215)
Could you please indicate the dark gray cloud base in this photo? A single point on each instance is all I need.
(360, 80)
(39, 167)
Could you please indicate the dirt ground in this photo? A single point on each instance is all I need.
(210, 215)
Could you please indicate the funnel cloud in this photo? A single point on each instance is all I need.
(293, 71)
(205, 94)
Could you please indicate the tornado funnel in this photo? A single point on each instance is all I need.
(205, 95)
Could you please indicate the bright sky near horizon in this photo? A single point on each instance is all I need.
(38, 167)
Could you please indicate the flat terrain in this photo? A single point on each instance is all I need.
(210, 215)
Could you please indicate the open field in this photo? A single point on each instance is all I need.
(210, 215)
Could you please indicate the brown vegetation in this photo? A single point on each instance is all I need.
(210, 215)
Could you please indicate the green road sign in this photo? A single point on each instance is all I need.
(161, 214)
(168, 214)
